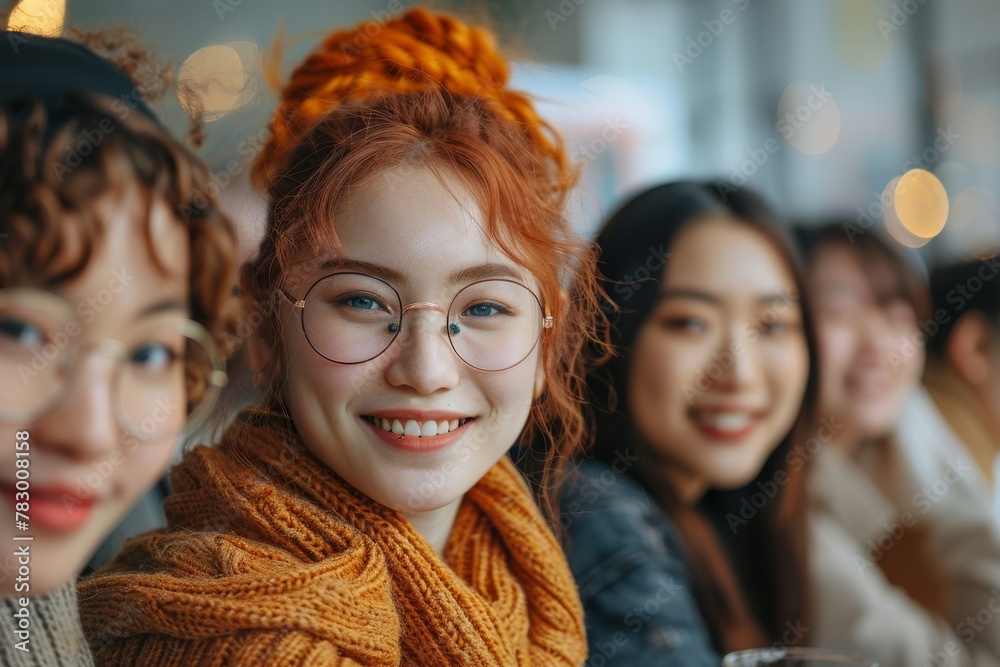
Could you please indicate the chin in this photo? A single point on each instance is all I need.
(732, 477)
(419, 498)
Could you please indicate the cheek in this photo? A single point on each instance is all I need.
(513, 390)
(906, 356)
(788, 372)
(836, 343)
(661, 365)
(143, 464)
(659, 371)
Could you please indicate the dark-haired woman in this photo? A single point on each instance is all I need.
(686, 529)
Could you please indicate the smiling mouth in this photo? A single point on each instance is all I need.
(414, 428)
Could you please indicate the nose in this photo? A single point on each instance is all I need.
(739, 358)
(423, 359)
(877, 338)
(82, 425)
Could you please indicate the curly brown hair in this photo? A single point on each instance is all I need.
(51, 176)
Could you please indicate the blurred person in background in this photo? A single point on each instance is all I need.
(116, 275)
(905, 556)
(698, 413)
(963, 358)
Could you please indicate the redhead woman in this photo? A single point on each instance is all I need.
(116, 275)
(686, 529)
(427, 305)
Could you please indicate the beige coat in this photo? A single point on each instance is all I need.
(862, 507)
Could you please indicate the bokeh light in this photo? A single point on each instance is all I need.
(224, 77)
(38, 17)
(921, 203)
(857, 36)
(808, 117)
(893, 225)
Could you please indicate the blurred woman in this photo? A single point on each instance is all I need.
(116, 275)
(429, 306)
(686, 531)
(906, 559)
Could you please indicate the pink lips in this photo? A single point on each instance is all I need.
(56, 508)
(418, 444)
(726, 435)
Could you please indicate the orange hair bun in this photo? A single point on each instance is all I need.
(416, 51)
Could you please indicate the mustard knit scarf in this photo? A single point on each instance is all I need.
(271, 559)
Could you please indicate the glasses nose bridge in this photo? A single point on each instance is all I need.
(423, 305)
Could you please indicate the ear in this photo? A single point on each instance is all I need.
(968, 347)
(539, 380)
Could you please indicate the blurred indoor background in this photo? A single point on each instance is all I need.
(877, 111)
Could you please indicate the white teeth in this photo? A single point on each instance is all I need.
(732, 421)
(413, 428)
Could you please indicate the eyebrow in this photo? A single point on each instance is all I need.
(698, 295)
(377, 270)
(166, 305)
(483, 272)
(460, 277)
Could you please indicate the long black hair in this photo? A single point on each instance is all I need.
(749, 579)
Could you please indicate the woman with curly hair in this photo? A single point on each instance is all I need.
(115, 299)
(426, 307)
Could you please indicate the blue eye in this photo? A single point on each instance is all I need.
(485, 310)
(363, 302)
(154, 356)
(25, 333)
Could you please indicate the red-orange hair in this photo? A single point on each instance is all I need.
(426, 89)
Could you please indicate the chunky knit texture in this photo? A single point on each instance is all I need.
(55, 640)
(271, 559)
